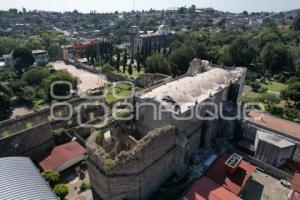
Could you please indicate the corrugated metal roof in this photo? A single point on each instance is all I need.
(21, 180)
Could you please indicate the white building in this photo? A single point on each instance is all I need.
(40, 56)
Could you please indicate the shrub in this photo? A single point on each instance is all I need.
(255, 86)
(52, 177)
(61, 190)
(84, 187)
(108, 164)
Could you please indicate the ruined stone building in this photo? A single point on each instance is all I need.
(131, 159)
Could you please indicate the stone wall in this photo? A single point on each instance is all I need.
(136, 174)
(113, 77)
(33, 142)
(12, 126)
(148, 79)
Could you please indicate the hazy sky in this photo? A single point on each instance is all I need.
(125, 5)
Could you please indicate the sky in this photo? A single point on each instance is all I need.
(127, 5)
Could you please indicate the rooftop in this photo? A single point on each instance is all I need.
(189, 89)
(264, 187)
(206, 189)
(62, 154)
(20, 179)
(233, 182)
(275, 140)
(274, 123)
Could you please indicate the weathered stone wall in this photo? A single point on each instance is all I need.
(110, 75)
(34, 142)
(147, 79)
(138, 173)
(12, 126)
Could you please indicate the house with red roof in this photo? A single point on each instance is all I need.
(64, 156)
(295, 190)
(225, 180)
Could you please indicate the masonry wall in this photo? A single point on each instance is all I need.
(137, 174)
(34, 142)
(12, 126)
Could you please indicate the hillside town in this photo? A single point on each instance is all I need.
(184, 103)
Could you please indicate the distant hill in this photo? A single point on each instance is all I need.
(291, 13)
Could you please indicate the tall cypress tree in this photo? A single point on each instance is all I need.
(130, 69)
(118, 60)
(125, 61)
(138, 62)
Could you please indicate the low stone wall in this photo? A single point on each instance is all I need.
(34, 142)
(113, 77)
(12, 126)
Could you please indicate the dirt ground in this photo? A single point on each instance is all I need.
(88, 80)
(72, 180)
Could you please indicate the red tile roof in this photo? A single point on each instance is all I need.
(206, 189)
(296, 187)
(275, 123)
(296, 182)
(296, 196)
(233, 182)
(61, 154)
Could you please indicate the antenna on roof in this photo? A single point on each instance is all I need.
(133, 4)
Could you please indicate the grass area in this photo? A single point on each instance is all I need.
(251, 96)
(37, 104)
(4, 134)
(122, 90)
(135, 73)
(275, 86)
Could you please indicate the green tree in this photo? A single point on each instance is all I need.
(130, 71)
(61, 190)
(5, 96)
(124, 61)
(7, 45)
(241, 52)
(157, 63)
(276, 57)
(118, 60)
(269, 99)
(23, 59)
(296, 22)
(35, 76)
(52, 177)
(29, 95)
(292, 92)
(84, 187)
(61, 89)
(32, 43)
(138, 61)
(268, 35)
(180, 60)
